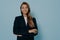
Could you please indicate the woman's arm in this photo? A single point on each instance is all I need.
(35, 30)
(15, 27)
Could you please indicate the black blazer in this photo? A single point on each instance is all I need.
(20, 28)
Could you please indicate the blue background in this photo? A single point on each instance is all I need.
(46, 12)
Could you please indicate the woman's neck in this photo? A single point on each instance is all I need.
(25, 15)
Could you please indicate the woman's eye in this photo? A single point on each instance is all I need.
(22, 7)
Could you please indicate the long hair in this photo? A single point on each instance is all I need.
(29, 17)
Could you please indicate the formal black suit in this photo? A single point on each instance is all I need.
(20, 28)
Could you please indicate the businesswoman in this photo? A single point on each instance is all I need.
(25, 26)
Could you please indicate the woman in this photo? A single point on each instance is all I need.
(25, 27)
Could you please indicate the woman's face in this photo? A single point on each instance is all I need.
(24, 9)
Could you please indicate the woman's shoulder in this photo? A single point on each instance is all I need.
(18, 16)
(34, 18)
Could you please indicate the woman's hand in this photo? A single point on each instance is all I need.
(19, 35)
(33, 31)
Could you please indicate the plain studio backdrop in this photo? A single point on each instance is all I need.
(46, 12)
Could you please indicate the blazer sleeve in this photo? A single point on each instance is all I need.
(32, 34)
(15, 26)
(35, 23)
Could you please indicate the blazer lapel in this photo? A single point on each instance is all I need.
(23, 20)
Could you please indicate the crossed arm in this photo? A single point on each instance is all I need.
(34, 31)
(30, 31)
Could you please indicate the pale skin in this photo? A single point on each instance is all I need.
(24, 9)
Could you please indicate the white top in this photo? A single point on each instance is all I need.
(25, 20)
